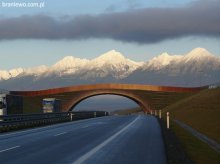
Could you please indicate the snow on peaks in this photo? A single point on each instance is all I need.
(70, 62)
(161, 61)
(109, 57)
(36, 70)
(164, 59)
(5, 75)
(112, 55)
(16, 72)
(198, 53)
(114, 63)
(113, 58)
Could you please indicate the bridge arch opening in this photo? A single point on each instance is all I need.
(107, 102)
(131, 98)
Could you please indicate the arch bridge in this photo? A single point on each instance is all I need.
(148, 97)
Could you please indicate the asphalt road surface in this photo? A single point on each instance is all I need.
(134, 139)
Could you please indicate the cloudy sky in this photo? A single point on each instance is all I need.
(140, 29)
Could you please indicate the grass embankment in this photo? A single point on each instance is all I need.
(198, 151)
(200, 111)
(32, 105)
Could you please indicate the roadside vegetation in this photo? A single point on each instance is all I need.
(202, 112)
(198, 151)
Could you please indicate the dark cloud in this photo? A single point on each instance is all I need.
(141, 26)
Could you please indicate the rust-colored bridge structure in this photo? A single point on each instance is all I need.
(148, 97)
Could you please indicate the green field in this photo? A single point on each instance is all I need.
(200, 111)
(198, 151)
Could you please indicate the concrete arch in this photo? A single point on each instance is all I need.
(144, 105)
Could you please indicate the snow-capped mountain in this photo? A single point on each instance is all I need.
(198, 54)
(161, 61)
(112, 64)
(69, 65)
(198, 60)
(198, 67)
(14, 73)
(5, 75)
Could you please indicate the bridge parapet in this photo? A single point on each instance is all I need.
(107, 86)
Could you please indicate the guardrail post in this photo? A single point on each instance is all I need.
(94, 114)
(168, 120)
(155, 112)
(160, 114)
(151, 112)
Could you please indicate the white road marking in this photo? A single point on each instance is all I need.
(9, 149)
(93, 124)
(100, 146)
(97, 123)
(60, 134)
(86, 126)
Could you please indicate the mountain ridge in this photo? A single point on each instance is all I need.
(197, 67)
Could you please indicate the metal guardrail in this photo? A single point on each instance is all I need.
(20, 121)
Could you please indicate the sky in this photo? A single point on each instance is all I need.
(140, 29)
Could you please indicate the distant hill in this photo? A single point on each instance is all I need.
(127, 111)
(196, 68)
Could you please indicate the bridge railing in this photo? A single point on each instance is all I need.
(20, 121)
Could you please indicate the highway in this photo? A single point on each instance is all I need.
(134, 139)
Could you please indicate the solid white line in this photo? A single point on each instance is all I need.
(9, 149)
(100, 146)
(60, 134)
